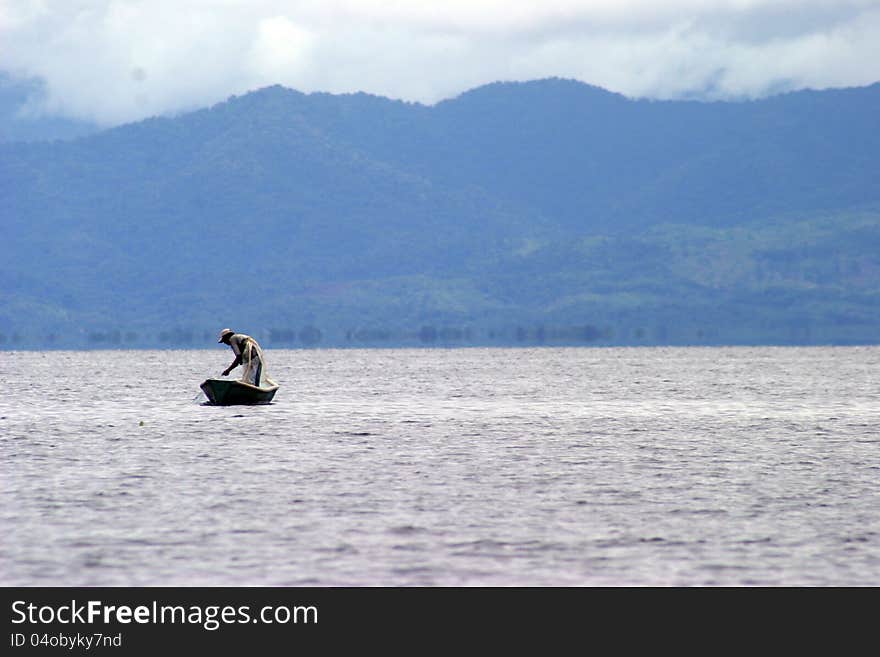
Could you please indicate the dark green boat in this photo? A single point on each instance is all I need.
(226, 392)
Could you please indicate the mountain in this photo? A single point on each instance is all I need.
(542, 212)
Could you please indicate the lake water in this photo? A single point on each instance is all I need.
(533, 467)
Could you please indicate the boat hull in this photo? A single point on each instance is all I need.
(228, 392)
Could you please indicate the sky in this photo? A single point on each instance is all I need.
(113, 61)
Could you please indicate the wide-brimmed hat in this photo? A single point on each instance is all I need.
(224, 333)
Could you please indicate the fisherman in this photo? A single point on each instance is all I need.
(247, 354)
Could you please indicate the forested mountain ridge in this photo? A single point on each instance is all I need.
(547, 211)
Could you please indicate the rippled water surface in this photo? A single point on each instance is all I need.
(739, 466)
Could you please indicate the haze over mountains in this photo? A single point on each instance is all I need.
(21, 117)
(540, 212)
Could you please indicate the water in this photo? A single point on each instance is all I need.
(534, 467)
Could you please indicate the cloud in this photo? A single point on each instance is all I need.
(121, 60)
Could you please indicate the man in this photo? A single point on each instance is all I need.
(247, 354)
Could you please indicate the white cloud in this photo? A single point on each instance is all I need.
(120, 60)
(280, 52)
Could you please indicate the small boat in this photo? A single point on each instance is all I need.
(226, 392)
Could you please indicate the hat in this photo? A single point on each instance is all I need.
(224, 333)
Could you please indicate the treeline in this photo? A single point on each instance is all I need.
(309, 336)
(612, 329)
(312, 336)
